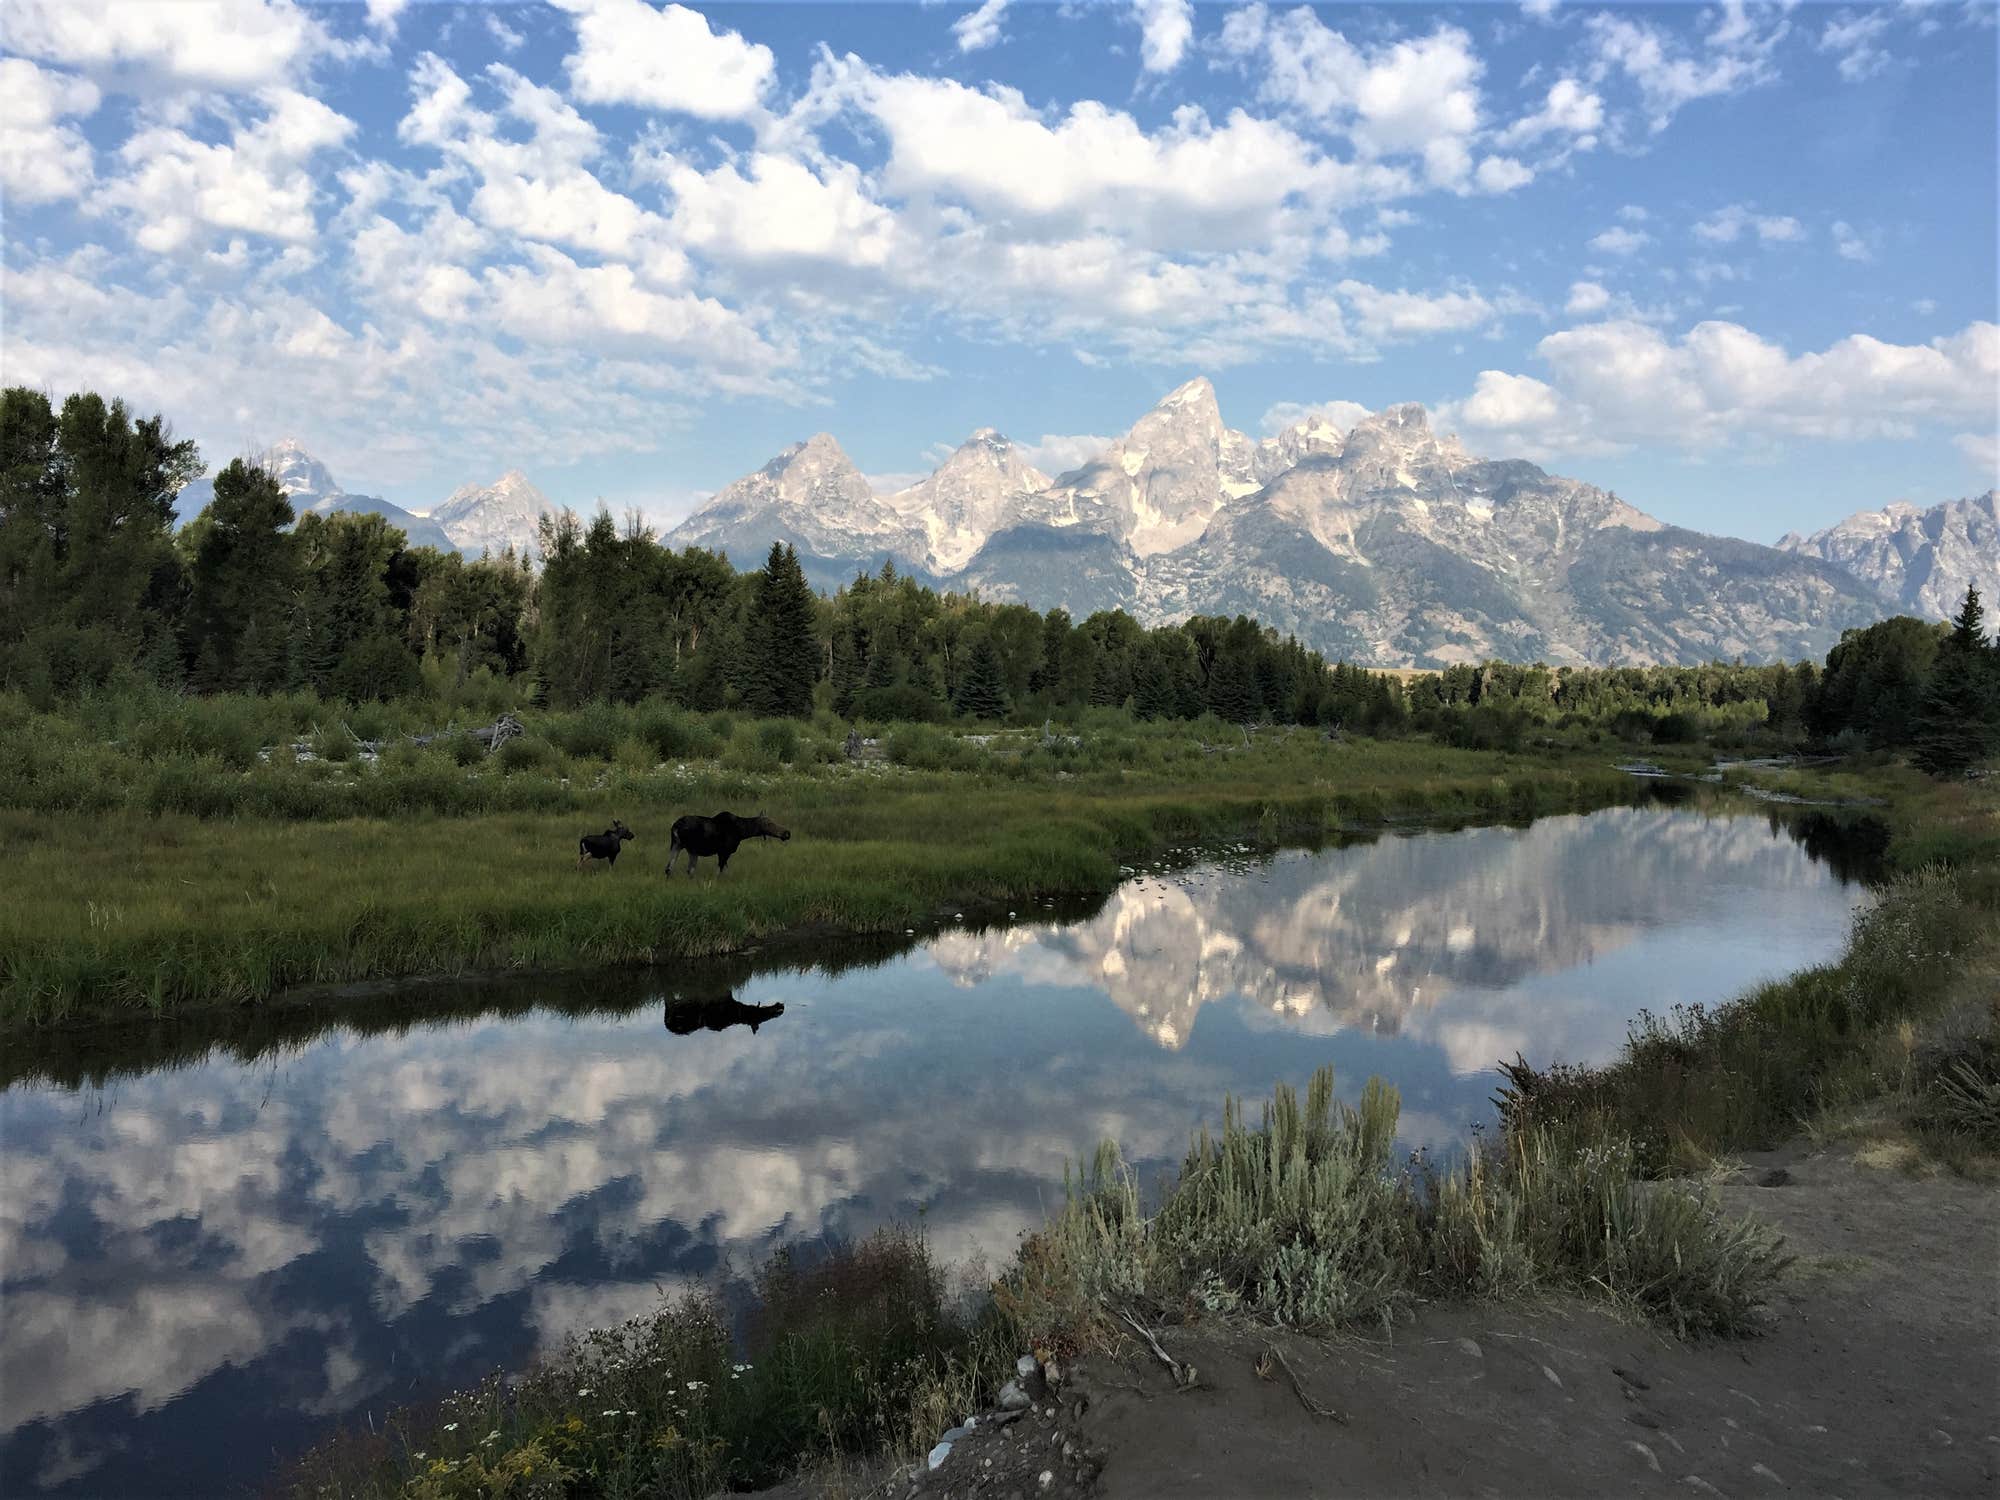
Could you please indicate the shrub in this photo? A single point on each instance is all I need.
(528, 752)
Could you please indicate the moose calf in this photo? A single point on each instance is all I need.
(602, 846)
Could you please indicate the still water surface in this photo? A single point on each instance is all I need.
(210, 1253)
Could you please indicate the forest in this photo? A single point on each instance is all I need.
(100, 590)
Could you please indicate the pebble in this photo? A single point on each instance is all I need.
(1471, 1347)
(1696, 1482)
(1763, 1471)
(1646, 1453)
(1554, 1379)
(1046, 1478)
(1026, 1366)
(940, 1453)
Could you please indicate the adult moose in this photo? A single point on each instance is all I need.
(604, 846)
(685, 1017)
(719, 836)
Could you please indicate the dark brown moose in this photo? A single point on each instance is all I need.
(718, 836)
(604, 846)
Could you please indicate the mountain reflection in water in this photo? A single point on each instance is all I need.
(217, 1245)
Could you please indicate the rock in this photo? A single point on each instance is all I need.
(1776, 1177)
(1046, 1478)
(1636, 1381)
(961, 1431)
(1646, 1453)
(1026, 1366)
(1471, 1347)
(939, 1454)
(1764, 1472)
(1013, 1398)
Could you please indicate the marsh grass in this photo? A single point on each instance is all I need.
(152, 871)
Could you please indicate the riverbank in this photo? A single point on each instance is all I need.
(219, 900)
(1553, 1233)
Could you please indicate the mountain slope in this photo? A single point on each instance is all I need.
(1919, 561)
(491, 518)
(970, 495)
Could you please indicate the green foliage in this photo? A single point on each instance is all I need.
(781, 646)
(1958, 722)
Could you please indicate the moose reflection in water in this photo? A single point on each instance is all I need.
(685, 1017)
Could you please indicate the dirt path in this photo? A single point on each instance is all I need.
(1880, 1376)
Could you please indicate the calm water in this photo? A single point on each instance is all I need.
(212, 1251)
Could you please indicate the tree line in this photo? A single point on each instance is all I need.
(97, 587)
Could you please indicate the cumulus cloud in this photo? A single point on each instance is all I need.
(1670, 73)
(42, 158)
(1165, 29)
(978, 29)
(258, 182)
(1726, 225)
(1618, 240)
(1401, 315)
(1417, 97)
(1339, 414)
(1058, 453)
(1622, 382)
(1570, 110)
(1585, 298)
(1849, 243)
(669, 59)
(216, 44)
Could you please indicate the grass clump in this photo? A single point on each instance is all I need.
(1305, 1221)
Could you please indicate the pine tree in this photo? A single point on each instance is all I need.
(1958, 723)
(982, 686)
(241, 584)
(782, 640)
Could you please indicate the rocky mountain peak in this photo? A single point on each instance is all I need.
(969, 497)
(493, 518)
(299, 474)
(1919, 561)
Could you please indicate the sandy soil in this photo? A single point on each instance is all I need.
(1880, 1375)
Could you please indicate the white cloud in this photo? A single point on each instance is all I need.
(1540, 10)
(979, 29)
(552, 299)
(1982, 451)
(1633, 213)
(257, 183)
(1619, 240)
(1570, 109)
(1416, 97)
(1502, 174)
(1856, 35)
(1058, 453)
(1585, 298)
(41, 158)
(782, 209)
(508, 39)
(1165, 29)
(629, 53)
(1622, 383)
(218, 44)
(1401, 315)
(1849, 243)
(1284, 414)
(1670, 75)
(1726, 225)
(384, 14)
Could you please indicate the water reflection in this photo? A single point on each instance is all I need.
(289, 1228)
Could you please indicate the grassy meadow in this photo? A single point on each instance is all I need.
(171, 854)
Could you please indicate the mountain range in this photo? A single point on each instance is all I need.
(1376, 540)
(472, 520)
(1380, 541)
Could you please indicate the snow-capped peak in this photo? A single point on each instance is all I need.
(971, 495)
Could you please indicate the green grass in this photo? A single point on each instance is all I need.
(159, 874)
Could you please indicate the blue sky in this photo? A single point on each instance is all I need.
(1736, 262)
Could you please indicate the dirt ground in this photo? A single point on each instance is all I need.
(1880, 1375)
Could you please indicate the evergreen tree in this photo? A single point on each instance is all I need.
(782, 657)
(1958, 724)
(242, 584)
(982, 686)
